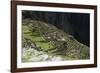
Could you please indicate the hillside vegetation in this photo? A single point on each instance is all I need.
(45, 42)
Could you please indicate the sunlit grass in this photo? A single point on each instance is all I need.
(36, 37)
(67, 47)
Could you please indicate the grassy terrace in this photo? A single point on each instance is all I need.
(36, 37)
(48, 41)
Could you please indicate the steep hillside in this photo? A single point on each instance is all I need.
(39, 38)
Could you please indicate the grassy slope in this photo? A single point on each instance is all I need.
(35, 37)
(71, 50)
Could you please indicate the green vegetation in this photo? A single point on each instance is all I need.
(34, 37)
(51, 42)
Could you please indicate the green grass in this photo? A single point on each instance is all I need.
(35, 37)
(70, 49)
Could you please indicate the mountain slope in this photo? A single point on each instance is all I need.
(50, 40)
